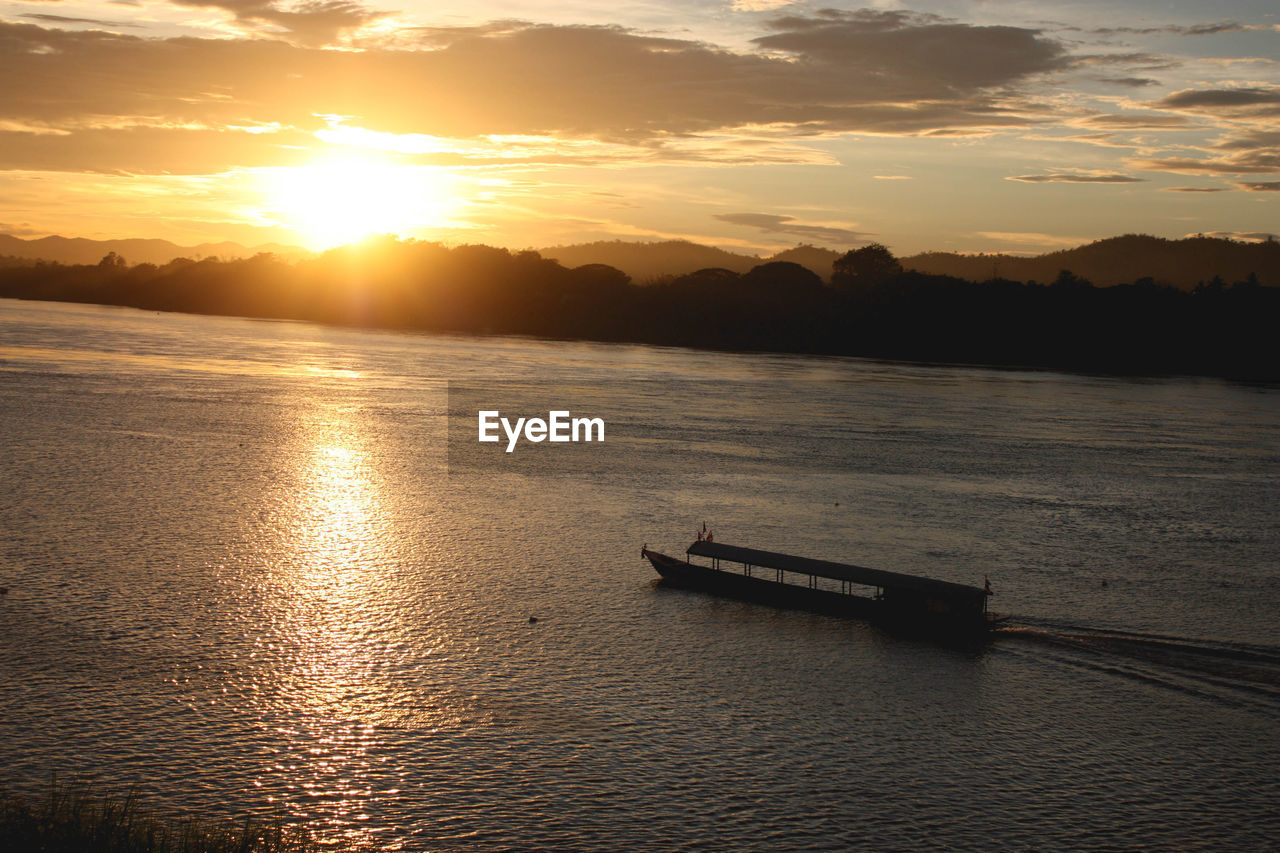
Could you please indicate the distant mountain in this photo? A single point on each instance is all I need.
(646, 261)
(1120, 260)
(79, 250)
(1116, 260)
(810, 257)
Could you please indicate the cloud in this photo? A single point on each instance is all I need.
(774, 224)
(1237, 103)
(1142, 61)
(1071, 178)
(1195, 189)
(21, 229)
(1101, 140)
(62, 19)
(1260, 186)
(1208, 29)
(758, 5)
(308, 22)
(152, 150)
(1133, 122)
(1031, 238)
(1174, 29)
(1250, 140)
(8, 126)
(1133, 82)
(1246, 150)
(1252, 163)
(831, 73)
(1243, 236)
(900, 53)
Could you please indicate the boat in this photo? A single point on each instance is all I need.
(897, 602)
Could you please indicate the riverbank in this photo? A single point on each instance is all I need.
(1141, 329)
(74, 817)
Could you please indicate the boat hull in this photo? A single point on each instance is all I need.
(737, 585)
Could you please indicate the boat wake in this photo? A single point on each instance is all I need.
(1237, 674)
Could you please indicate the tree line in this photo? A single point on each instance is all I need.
(872, 307)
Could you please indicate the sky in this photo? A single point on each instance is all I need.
(754, 125)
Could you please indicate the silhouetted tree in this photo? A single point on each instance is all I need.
(708, 277)
(1068, 279)
(600, 276)
(1215, 286)
(863, 268)
(884, 312)
(784, 276)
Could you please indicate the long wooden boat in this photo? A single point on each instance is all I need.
(895, 601)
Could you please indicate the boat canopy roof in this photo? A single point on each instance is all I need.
(837, 571)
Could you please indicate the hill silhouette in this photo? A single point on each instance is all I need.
(80, 250)
(1180, 263)
(811, 258)
(1116, 260)
(872, 306)
(647, 261)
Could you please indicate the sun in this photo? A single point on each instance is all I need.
(342, 198)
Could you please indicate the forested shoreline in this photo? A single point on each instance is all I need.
(870, 308)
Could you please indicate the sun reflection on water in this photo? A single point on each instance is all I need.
(336, 632)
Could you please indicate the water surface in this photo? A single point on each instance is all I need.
(243, 578)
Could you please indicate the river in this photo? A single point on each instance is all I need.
(246, 575)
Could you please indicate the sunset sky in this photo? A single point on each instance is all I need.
(753, 125)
